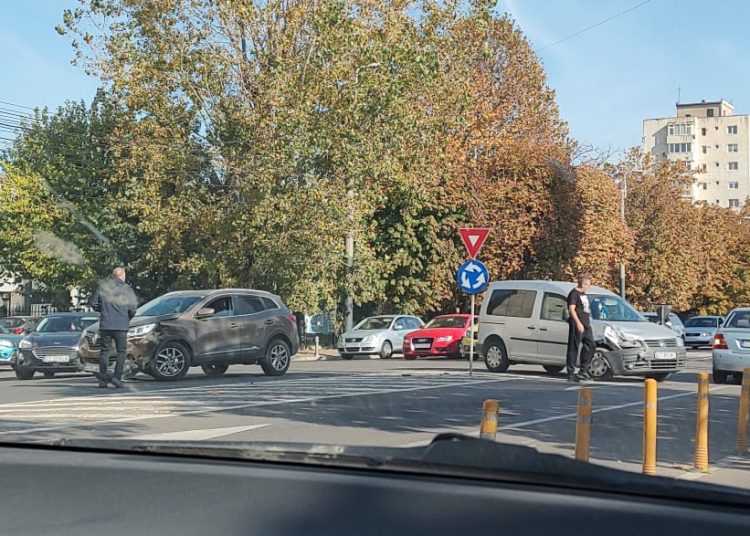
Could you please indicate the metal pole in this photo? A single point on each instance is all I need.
(649, 427)
(583, 424)
(701, 424)
(471, 339)
(624, 191)
(349, 304)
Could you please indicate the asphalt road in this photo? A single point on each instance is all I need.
(378, 402)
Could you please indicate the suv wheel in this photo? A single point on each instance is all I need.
(24, 373)
(496, 357)
(171, 362)
(215, 370)
(278, 358)
(386, 352)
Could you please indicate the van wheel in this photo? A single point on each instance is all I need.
(599, 368)
(553, 369)
(214, 370)
(496, 357)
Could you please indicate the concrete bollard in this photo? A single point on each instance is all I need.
(583, 424)
(649, 427)
(701, 424)
(742, 417)
(488, 427)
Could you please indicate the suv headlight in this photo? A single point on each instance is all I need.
(621, 339)
(140, 331)
(25, 344)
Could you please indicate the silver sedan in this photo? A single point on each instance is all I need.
(378, 335)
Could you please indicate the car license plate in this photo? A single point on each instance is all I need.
(665, 355)
(745, 344)
(57, 359)
(422, 346)
(91, 367)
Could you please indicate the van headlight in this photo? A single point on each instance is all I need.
(621, 339)
(140, 331)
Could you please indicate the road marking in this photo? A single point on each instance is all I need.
(195, 435)
(520, 425)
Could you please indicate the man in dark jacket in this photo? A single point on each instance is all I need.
(116, 303)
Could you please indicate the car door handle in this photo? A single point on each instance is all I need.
(233, 325)
(530, 327)
(268, 322)
(543, 329)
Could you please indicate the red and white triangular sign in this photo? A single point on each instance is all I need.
(473, 238)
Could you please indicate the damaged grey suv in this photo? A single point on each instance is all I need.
(211, 329)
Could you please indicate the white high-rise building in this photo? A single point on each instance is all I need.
(713, 141)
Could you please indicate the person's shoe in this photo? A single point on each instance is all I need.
(117, 383)
(585, 377)
(572, 377)
(102, 385)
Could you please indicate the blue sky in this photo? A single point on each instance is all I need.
(607, 79)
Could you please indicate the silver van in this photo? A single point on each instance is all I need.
(527, 322)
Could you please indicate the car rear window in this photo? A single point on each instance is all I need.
(740, 319)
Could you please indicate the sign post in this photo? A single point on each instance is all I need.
(473, 276)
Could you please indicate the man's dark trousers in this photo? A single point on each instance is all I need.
(121, 344)
(584, 341)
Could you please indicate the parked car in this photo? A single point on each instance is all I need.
(8, 346)
(210, 328)
(378, 335)
(700, 330)
(466, 341)
(441, 336)
(673, 322)
(527, 322)
(53, 345)
(19, 325)
(731, 346)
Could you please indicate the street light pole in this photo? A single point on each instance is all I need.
(624, 193)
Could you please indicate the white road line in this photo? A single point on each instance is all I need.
(196, 435)
(520, 425)
(245, 405)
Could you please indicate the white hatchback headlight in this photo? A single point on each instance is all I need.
(140, 331)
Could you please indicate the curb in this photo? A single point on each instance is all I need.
(330, 357)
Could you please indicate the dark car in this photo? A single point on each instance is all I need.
(211, 329)
(53, 345)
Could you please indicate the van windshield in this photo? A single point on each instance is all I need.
(613, 308)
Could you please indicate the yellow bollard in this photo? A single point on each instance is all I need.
(488, 428)
(583, 424)
(649, 427)
(742, 417)
(701, 424)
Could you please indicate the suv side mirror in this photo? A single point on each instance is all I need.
(206, 312)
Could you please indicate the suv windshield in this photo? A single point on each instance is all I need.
(698, 322)
(59, 324)
(166, 305)
(613, 308)
(447, 322)
(375, 323)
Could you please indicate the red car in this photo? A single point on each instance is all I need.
(441, 336)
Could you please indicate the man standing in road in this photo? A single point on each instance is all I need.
(580, 336)
(116, 303)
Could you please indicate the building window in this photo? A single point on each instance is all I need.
(733, 148)
(734, 203)
(680, 147)
(718, 202)
(705, 149)
(705, 186)
(733, 166)
(703, 132)
(734, 185)
(710, 112)
(680, 129)
(703, 167)
(732, 129)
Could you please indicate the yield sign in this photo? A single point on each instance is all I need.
(473, 238)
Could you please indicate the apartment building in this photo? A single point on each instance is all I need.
(712, 141)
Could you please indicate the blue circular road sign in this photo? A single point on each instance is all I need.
(473, 276)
